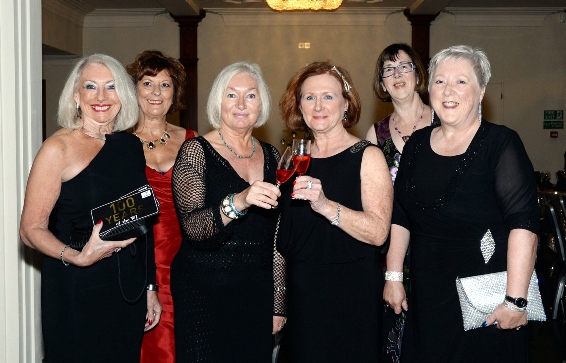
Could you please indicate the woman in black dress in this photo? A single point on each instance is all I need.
(93, 299)
(222, 278)
(465, 195)
(332, 222)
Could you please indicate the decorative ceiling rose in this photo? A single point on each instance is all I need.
(285, 5)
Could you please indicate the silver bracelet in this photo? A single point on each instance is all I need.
(513, 307)
(152, 287)
(336, 220)
(393, 276)
(62, 259)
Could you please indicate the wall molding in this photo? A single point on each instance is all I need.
(342, 16)
(122, 18)
(74, 13)
(501, 17)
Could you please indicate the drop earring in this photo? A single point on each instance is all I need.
(432, 118)
(78, 112)
(345, 118)
(479, 112)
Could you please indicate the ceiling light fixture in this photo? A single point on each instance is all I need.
(285, 5)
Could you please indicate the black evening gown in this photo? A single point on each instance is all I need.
(85, 316)
(448, 204)
(334, 282)
(222, 278)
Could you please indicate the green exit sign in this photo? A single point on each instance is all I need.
(553, 124)
(553, 115)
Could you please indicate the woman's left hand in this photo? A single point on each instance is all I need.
(309, 188)
(278, 323)
(154, 310)
(505, 318)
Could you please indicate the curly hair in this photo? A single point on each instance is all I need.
(291, 99)
(391, 53)
(150, 63)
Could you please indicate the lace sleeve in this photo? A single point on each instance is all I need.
(279, 267)
(515, 184)
(201, 224)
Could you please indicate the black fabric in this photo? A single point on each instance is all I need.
(448, 204)
(334, 282)
(222, 278)
(85, 317)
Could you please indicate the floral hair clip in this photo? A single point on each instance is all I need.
(347, 86)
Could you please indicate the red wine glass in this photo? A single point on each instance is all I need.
(285, 168)
(301, 155)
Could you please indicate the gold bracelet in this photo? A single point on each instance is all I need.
(63, 251)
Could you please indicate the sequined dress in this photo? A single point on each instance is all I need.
(448, 204)
(159, 343)
(222, 278)
(334, 282)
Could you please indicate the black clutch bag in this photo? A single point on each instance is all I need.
(122, 219)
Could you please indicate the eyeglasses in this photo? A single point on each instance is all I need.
(406, 67)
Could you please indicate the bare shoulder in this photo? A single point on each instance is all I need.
(57, 145)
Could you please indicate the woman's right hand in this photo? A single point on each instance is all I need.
(394, 296)
(259, 193)
(95, 249)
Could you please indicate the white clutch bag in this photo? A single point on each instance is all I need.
(480, 295)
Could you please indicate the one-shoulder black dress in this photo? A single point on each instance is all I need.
(85, 316)
(334, 282)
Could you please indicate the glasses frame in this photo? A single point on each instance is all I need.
(396, 68)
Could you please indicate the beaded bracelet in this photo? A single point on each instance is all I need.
(63, 251)
(229, 209)
(393, 276)
(336, 220)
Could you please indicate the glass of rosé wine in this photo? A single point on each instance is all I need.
(285, 168)
(301, 155)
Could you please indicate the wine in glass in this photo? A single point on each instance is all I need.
(301, 155)
(285, 168)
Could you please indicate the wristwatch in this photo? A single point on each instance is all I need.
(517, 301)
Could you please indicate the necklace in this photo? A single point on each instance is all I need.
(92, 134)
(233, 152)
(153, 143)
(406, 137)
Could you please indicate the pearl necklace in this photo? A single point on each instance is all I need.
(92, 134)
(406, 137)
(153, 143)
(233, 152)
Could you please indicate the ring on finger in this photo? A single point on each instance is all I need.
(309, 184)
(118, 249)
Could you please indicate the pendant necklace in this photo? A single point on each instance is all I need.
(406, 137)
(153, 143)
(233, 152)
(92, 134)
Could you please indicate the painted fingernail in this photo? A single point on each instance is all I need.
(484, 324)
(99, 221)
(293, 195)
(150, 322)
(294, 182)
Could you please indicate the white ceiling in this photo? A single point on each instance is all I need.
(192, 7)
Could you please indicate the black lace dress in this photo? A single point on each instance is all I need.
(222, 278)
(334, 282)
(448, 204)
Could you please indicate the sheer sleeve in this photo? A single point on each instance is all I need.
(515, 184)
(398, 216)
(279, 274)
(201, 222)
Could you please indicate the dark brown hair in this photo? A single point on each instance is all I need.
(291, 99)
(150, 63)
(391, 53)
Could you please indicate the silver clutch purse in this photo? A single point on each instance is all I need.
(480, 295)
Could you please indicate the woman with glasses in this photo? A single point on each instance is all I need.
(400, 77)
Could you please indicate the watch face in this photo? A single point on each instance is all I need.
(520, 302)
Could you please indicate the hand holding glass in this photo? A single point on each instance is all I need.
(301, 155)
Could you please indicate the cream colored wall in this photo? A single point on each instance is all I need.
(59, 32)
(530, 62)
(275, 49)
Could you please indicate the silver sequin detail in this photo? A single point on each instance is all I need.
(487, 246)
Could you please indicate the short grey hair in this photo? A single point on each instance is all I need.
(214, 104)
(128, 115)
(475, 56)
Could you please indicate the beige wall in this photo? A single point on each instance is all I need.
(61, 31)
(528, 65)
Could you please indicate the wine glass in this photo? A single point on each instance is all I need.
(285, 168)
(301, 155)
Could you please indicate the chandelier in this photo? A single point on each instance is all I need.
(283, 5)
